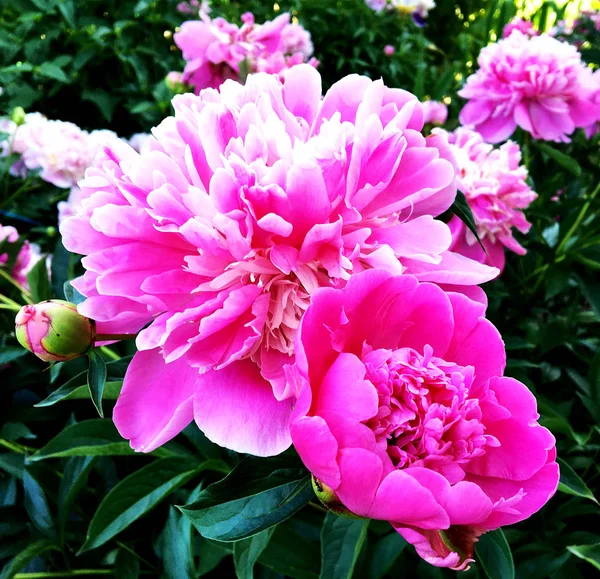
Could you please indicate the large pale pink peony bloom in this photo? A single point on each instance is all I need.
(495, 186)
(405, 415)
(28, 255)
(435, 112)
(539, 84)
(217, 50)
(261, 194)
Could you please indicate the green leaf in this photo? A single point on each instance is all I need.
(25, 556)
(36, 504)
(462, 210)
(571, 483)
(15, 431)
(11, 353)
(127, 565)
(256, 495)
(96, 437)
(96, 378)
(211, 554)
(72, 295)
(74, 479)
(105, 102)
(175, 547)
(247, 551)
(589, 553)
(60, 267)
(341, 541)
(38, 281)
(385, 553)
(53, 71)
(563, 160)
(13, 464)
(591, 291)
(138, 493)
(493, 552)
(67, 9)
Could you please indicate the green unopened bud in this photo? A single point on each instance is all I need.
(330, 500)
(175, 84)
(54, 330)
(18, 116)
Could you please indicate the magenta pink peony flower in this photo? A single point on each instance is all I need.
(405, 415)
(28, 255)
(435, 112)
(539, 84)
(495, 185)
(520, 24)
(261, 194)
(216, 50)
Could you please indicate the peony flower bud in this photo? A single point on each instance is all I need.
(174, 82)
(17, 116)
(330, 500)
(389, 50)
(54, 331)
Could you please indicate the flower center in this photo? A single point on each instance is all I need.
(426, 417)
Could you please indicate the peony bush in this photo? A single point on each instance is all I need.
(299, 290)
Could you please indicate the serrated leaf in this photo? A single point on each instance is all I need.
(138, 493)
(589, 553)
(96, 437)
(571, 483)
(257, 494)
(39, 283)
(493, 553)
(96, 378)
(247, 551)
(341, 541)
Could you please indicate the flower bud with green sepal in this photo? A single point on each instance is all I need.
(54, 331)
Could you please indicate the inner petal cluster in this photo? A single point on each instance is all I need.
(426, 415)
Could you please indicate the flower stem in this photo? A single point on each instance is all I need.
(26, 295)
(562, 245)
(114, 337)
(109, 353)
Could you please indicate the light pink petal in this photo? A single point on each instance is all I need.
(156, 401)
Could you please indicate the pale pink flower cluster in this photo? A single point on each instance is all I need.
(520, 24)
(435, 112)
(495, 185)
(217, 50)
(60, 150)
(418, 9)
(28, 256)
(537, 83)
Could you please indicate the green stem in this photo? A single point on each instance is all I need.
(73, 573)
(114, 337)
(15, 447)
(26, 295)
(578, 221)
(109, 353)
(7, 301)
(11, 308)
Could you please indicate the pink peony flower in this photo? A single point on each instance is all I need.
(539, 84)
(435, 112)
(61, 151)
(405, 415)
(495, 185)
(28, 255)
(256, 196)
(523, 26)
(389, 50)
(376, 5)
(216, 50)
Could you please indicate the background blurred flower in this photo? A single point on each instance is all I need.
(495, 185)
(520, 24)
(434, 112)
(28, 255)
(539, 84)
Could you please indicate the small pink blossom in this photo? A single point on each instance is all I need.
(538, 83)
(216, 50)
(28, 255)
(523, 26)
(389, 50)
(213, 242)
(405, 415)
(435, 112)
(495, 186)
